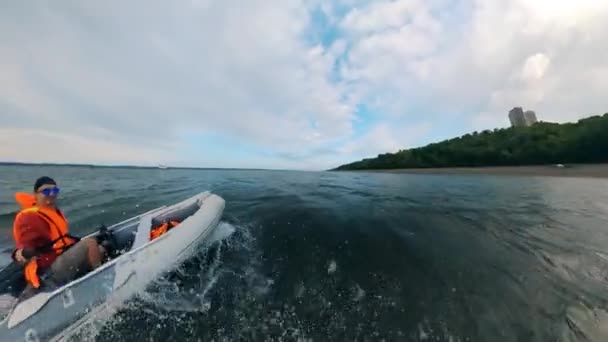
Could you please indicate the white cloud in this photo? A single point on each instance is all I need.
(535, 67)
(240, 70)
(385, 137)
(564, 13)
(391, 45)
(113, 77)
(552, 48)
(479, 58)
(380, 16)
(46, 146)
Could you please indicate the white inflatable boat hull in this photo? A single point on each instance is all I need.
(47, 314)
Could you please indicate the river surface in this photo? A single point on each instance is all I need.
(355, 256)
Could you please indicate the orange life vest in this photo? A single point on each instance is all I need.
(58, 226)
(162, 229)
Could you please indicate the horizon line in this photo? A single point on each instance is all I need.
(127, 166)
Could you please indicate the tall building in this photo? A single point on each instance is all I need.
(517, 118)
(530, 117)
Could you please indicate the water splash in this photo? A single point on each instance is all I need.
(223, 231)
(333, 266)
(163, 299)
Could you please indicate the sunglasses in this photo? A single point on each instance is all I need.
(49, 191)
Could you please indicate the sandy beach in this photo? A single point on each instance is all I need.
(581, 171)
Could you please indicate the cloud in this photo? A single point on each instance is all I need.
(550, 47)
(240, 70)
(381, 16)
(478, 59)
(385, 137)
(285, 80)
(45, 145)
(391, 43)
(535, 67)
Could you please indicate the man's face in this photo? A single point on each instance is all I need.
(46, 196)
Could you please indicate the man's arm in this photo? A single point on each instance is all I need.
(32, 232)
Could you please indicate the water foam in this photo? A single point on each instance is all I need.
(162, 293)
(225, 277)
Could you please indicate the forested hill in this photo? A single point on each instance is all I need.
(585, 141)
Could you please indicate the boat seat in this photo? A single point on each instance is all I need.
(142, 235)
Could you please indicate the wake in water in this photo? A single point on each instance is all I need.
(221, 294)
(174, 293)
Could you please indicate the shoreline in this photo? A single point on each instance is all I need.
(578, 171)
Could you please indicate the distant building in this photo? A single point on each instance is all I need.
(530, 117)
(520, 119)
(517, 118)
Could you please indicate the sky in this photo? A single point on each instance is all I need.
(285, 84)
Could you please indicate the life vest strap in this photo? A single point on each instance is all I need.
(47, 247)
(31, 273)
(60, 238)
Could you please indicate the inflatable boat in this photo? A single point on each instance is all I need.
(138, 255)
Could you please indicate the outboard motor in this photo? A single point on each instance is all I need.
(106, 239)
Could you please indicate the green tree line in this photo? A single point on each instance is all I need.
(585, 141)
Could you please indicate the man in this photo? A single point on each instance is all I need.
(43, 244)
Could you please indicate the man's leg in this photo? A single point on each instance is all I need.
(78, 260)
(95, 253)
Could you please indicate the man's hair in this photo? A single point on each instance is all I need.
(44, 180)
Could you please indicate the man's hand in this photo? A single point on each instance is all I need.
(19, 257)
(23, 255)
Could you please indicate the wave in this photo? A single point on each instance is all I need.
(585, 323)
(164, 299)
(203, 295)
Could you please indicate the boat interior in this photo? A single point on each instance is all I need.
(117, 240)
